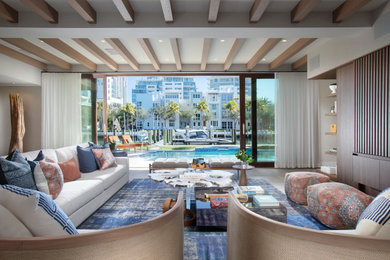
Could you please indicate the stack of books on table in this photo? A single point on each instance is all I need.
(250, 190)
(265, 201)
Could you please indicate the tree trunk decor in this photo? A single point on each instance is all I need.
(17, 123)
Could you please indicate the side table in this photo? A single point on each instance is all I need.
(241, 171)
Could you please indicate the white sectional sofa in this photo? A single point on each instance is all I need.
(80, 198)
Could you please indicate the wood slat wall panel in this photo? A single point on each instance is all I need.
(372, 104)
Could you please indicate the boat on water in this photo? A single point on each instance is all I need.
(196, 137)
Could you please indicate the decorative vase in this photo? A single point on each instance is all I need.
(333, 88)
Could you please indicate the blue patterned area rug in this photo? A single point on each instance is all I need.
(142, 199)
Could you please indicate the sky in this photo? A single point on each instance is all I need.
(266, 87)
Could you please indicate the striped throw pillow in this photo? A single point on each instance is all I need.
(37, 211)
(374, 220)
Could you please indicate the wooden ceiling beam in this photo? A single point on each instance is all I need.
(257, 10)
(70, 52)
(167, 10)
(22, 57)
(213, 10)
(302, 9)
(205, 53)
(125, 9)
(233, 52)
(348, 8)
(299, 63)
(43, 9)
(264, 49)
(122, 50)
(8, 13)
(176, 53)
(97, 52)
(38, 51)
(84, 9)
(294, 49)
(147, 47)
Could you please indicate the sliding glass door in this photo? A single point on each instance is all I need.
(258, 118)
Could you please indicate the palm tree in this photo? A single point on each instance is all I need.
(129, 111)
(172, 109)
(204, 109)
(187, 112)
(233, 111)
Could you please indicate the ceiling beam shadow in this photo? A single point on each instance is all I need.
(97, 52)
(22, 57)
(205, 53)
(8, 13)
(302, 9)
(264, 49)
(348, 8)
(294, 49)
(233, 52)
(125, 9)
(70, 52)
(147, 47)
(84, 9)
(122, 50)
(38, 51)
(257, 10)
(43, 9)
(176, 53)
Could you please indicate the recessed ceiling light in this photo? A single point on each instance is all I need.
(264, 59)
(284, 40)
(160, 41)
(41, 41)
(222, 40)
(103, 41)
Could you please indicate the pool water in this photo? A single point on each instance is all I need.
(265, 155)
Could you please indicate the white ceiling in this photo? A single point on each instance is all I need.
(190, 26)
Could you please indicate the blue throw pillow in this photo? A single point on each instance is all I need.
(34, 162)
(87, 162)
(16, 171)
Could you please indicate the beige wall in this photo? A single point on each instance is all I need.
(32, 117)
(326, 141)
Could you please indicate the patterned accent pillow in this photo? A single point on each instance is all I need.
(37, 211)
(336, 205)
(104, 158)
(16, 171)
(49, 178)
(374, 220)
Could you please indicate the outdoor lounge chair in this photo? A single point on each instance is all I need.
(119, 145)
(127, 139)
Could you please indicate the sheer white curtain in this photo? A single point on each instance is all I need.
(296, 121)
(61, 109)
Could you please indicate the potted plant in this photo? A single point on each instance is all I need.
(244, 157)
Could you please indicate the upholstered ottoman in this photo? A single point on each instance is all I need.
(336, 205)
(296, 183)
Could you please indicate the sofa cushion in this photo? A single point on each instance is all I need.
(87, 162)
(108, 176)
(223, 163)
(16, 171)
(64, 154)
(170, 163)
(10, 226)
(76, 194)
(37, 211)
(48, 177)
(104, 158)
(336, 205)
(374, 221)
(70, 170)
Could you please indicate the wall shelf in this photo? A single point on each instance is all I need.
(332, 95)
(331, 114)
(330, 153)
(330, 133)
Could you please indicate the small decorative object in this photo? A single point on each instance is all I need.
(333, 128)
(243, 157)
(333, 88)
(332, 111)
(17, 123)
